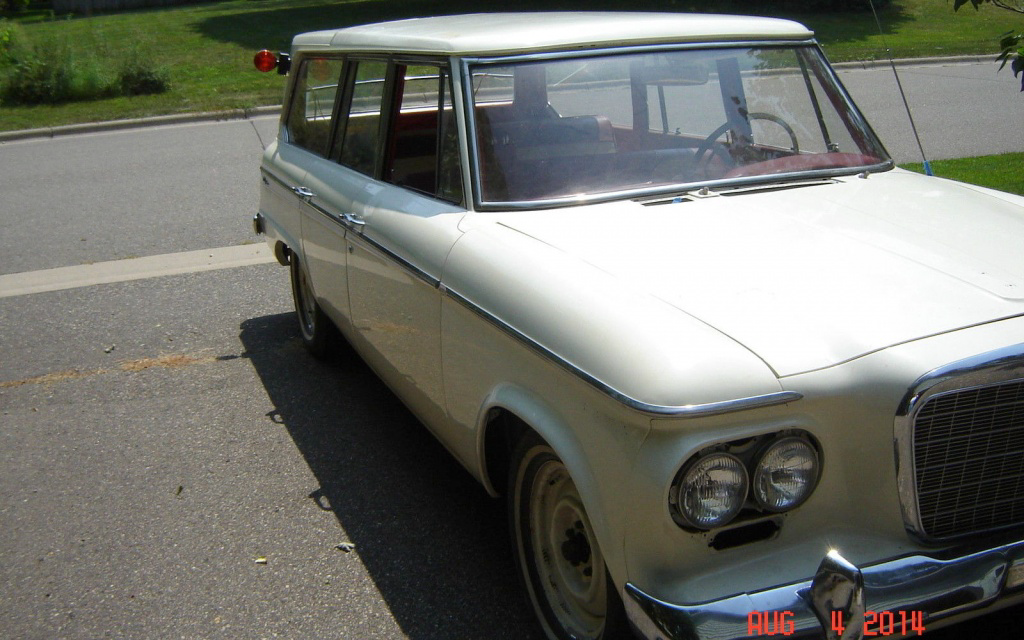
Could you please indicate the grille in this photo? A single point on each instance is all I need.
(969, 460)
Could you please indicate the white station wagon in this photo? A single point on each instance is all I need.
(654, 280)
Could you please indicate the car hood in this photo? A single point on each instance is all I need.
(815, 275)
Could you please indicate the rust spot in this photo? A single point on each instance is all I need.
(174, 361)
(50, 378)
(168, 362)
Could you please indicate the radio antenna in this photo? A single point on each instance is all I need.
(906, 105)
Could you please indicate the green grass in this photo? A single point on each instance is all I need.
(1004, 172)
(208, 48)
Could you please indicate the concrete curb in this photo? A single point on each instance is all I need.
(135, 123)
(245, 114)
(915, 62)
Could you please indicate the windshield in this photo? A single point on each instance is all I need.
(577, 127)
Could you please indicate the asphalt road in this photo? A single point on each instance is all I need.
(173, 464)
(960, 110)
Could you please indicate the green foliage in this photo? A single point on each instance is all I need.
(52, 77)
(139, 77)
(58, 74)
(1012, 52)
(1011, 43)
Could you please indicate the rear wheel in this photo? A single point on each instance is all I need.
(556, 551)
(314, 324)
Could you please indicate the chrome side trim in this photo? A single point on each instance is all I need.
(1001, 365)
(685, 411)
(937, 588)
(358, 235)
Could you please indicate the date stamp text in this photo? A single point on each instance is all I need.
(877, 624)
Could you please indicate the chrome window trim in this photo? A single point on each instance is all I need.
(1001, 365)
(685, 411)
(680, 188)
(476, 181)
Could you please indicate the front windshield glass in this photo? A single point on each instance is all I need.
(584, 126)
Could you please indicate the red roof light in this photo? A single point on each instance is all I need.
(265, 61)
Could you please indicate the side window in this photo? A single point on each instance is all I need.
(312, 106)
(423, 150)
(360, 143)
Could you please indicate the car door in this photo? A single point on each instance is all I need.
(402, 228)
(305, 172)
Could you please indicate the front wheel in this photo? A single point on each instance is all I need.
(556, 551)
(314, 324)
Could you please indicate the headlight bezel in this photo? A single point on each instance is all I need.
(750, 452)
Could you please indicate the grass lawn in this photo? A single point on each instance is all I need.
(1004, 172)
(208, 48)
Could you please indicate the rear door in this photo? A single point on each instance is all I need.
(404, 224)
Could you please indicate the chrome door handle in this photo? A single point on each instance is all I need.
(352, 219)
(303, 192)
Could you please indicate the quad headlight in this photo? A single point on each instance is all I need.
(771, 473)
(785, 474)
(712, 490)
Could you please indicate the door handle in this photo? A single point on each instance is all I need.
(303, 192)
(355, 221)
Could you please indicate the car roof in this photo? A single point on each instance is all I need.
(507, 33)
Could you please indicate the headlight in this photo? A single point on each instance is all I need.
(786, 474)
(712, 491)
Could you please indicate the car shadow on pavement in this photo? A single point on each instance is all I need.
(433, 541)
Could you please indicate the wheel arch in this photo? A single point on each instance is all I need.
(283, 253)
(507, 415)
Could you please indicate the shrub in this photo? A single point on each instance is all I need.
(58, 74)
(54, 76)
(11, 38)
(138, 77)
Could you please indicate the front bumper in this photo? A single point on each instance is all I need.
(937, 588)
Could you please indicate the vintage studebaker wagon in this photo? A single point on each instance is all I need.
(654, 280)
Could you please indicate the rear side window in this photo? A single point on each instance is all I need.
(423, 152)
(310, 114)
(360, 144)
(397, 124)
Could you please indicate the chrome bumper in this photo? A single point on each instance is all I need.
(936, 588)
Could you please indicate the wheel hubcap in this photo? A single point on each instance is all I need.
(569, 563)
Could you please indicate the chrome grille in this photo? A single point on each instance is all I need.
(969, 460)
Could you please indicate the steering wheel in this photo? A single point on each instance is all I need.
(708, 143)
